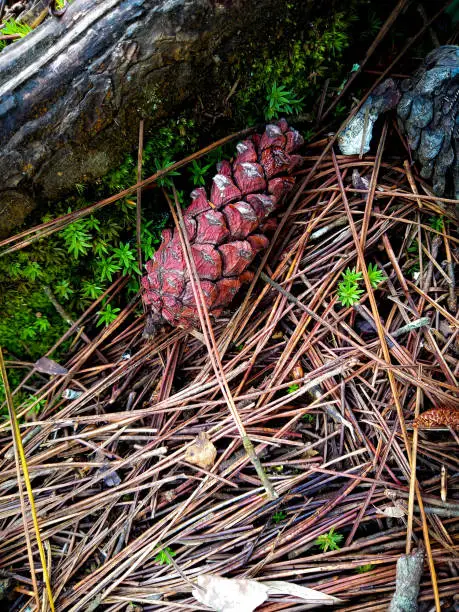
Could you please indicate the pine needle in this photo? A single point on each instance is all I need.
(17, 440)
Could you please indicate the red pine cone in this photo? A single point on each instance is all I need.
(226, 233)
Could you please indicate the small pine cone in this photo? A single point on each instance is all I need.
(225, 233)
(438, 417)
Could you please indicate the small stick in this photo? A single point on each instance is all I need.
(414, 451)
(418, 323)
(407, 584)
(20, 459)
(138, 208)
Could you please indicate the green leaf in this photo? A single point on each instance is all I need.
(91, 290)
(198, 172)
(352, 276)
(162, 164)
(92, 223)
(437, 223)
(365, 568)
(32, 271)
(14, 27)
(125, 256)
(164, 556)
(27, 333)
(42, 324)
(107, 315)
(293, 388)
(281, 101)
(63, 289)
(279, 516)
(329, 541)
(37, 407)
(76, 238)
(375, 275)
(107, 267)
(349, 293)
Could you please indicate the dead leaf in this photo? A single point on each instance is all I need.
(241, 595)
(48, 366)
(281, 587)
(395, 511)
(71, 394)
(359, 182)
(297, 371)
(202, 453)
(230, 594)
(309, 452)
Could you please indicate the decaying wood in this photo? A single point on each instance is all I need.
(407, 585)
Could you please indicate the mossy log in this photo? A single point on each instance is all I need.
(73, 91)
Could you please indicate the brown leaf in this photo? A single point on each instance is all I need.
(202, 453)
(48, 366)
(438, 417)
(309, 452)
(297, 371)
(395, 511)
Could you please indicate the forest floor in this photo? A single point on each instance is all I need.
(338, 363)
(327, 390)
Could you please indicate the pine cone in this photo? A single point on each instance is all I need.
(427, 113)
(225, 233)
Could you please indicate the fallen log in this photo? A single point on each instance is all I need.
(72, 92)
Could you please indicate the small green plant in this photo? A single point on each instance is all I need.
(281, 101)
(63, 290)
(107, 267)
(362, 569)
(32, 271)
(349, 291)
(126, 259)
(164, 556)
(329, 541)
(279, 516)
(13, 27)
(437, 223)
(90, 290)
(37, 407)
(293, 388)
(107, 315)
(162, 164)
(375, 275)
(198, 172)
(77, 238)
(308, 418)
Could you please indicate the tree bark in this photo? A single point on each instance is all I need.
(73, 91)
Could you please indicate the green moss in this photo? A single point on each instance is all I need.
(78, 263)
(300, 66)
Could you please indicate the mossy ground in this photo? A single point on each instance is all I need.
(78, 263)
